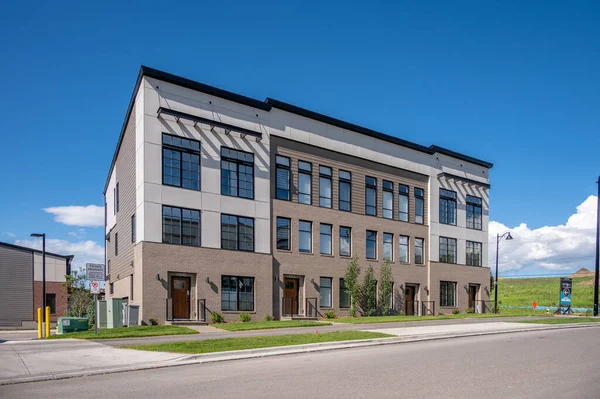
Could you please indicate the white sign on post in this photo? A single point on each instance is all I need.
(94, 272)
(94, 287)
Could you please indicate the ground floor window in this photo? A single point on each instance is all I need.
(237, 293)
(447, 293)
(51, 301)
(325, 289)
(344, 297)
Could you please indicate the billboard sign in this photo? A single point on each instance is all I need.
(566, 285)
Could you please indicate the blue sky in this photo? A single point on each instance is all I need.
(514, 83)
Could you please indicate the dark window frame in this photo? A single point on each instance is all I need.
(473, 257)
(448, 243)
(116, 244)
(419, 195)
(388, 188)
(238, 162)
(325, 176)
(300, 231)
(422, 247)
(239, 233)
(321, 286)
(403, 192)
(391, 246)
(407, 246)
(181, 226)
(474, 211)
(51, 302)
(117, 197)
(237, 293)
(448, 206)
(448, 297)
(373, 234)
(368, 188)
(133, 227)
(307, 173)
(344, 181)
(285, 168)
(344, 297)
(181, 150)
(283, 228)
(349, 237)
(330, 238)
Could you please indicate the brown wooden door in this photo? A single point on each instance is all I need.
(290, 305)
(409, 300)
(472, 296)
(180, 295)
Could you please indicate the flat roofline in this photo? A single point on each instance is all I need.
(267, 105)
(13, 246)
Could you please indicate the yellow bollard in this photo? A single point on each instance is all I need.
(47, 321)
(39, 323)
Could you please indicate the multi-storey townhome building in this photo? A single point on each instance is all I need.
(216, 202)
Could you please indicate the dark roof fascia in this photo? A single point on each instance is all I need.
(460, 156)
(467, 180)
(69, 258)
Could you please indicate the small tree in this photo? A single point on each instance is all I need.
(387, 281)
(351, 283)
(80, 301)
(367, 297)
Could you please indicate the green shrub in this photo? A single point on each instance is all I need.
(153, 321)
(441, 314)
(217, 317)
(268, 317)
(470, 310)
(330, 314)
(244, 317)
(455, 311)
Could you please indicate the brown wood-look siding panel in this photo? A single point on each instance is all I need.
(16, 286)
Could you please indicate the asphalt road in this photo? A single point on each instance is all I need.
(542, 364)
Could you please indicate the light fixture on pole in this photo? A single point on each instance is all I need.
(499, 238)
(43, 235)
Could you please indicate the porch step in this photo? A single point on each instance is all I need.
(186, 323)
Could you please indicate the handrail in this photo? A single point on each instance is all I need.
(428, 308)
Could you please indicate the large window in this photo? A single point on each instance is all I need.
(388, 245)
(117, 195)
(473, 212)
(419, 251)
(473, 253)
(116, 244)
(133, 228)
(181, 162)
(304, 182)
(403, 249)
(344, 297)
(325, 186)
(237, 293)
(388, 199)
(325, 290)
(345, 194)
(370, 196)
(181, 226)
(371, 244)
(447, 293)
(305, 236)
(447, 206)
(447, 250)
(237, 233)
(403, 202)
(283, 177)
(283, 233)
(325, 239)
(51, 301)
(419, 206)
(237, 173)
(345, 241)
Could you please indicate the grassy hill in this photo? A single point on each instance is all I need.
(523, 291)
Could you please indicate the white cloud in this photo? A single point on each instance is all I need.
(8, 233)
(85, 216)
(555, 248)
(84, 251)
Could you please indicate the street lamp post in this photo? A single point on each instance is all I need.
(43, 235)
(597, 252)
(498, 239)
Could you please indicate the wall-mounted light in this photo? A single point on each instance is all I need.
(312, 280)
(207, 280)
(158, 277)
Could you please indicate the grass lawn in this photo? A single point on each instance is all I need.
(266, 325)
(129, 332)
(395, 319)
(523, 291)
(233, 344)
(563, 320)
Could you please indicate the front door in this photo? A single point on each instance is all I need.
(290, 296)
(472, 296)
(180, 294)
(409, 300)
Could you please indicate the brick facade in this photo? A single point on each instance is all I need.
(52, 287)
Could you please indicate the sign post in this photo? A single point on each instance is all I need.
(95, 273)
(566, 285)
(534, 306)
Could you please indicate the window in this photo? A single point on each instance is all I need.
(419, 206)
(131, 287)
(325, 187)
(371, 196)
(447, 206)
(473, 212)
(237, 293)
(447, 250)
(388, 199)
(108, 268)
(51, 301)
(116, 244)
(390, 298)
(283, 177)
(345, 195)
(404, 249)
(344, 297)
(111, 288)
(447, 293)
(304, 182)
(419, 251)
(388, 243)
(325, 289)
(283, 233)
(133, 228)
(237, 233)
(181, 226)
(371, 244)
(473, 253)
(403, 202)
(114, 201)
(181, 162)
(345, 241)
(117, 197)
(325, 239)
(305, 236)
(237, 173)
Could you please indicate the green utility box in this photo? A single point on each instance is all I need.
(114, 312)
(71, 324)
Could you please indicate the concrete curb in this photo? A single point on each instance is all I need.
(277, 351)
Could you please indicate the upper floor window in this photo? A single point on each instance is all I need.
(419, 244)
(325, 186)
(283, 177)
(388, 199)
(325, 239)
(181, 162)
(447, 206)
(304, 236)
(473, 212)
(181, 226)
(403, 249)
(237, 173)
(283, 233)
(403, 202)
(237, 233)
(371, 244)
(116, 244)
(345, 189)
(419, 206)
(304, 182)
(447, 250)
(133, 228)
(117, 197)
(371, 196)
(345, 241)
(388, 245)
(473, 253)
